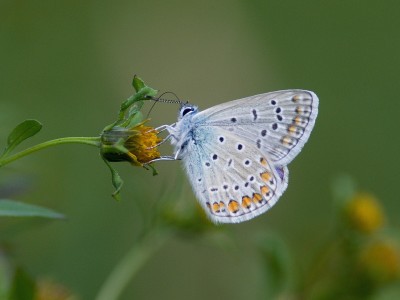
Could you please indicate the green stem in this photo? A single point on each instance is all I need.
(130, 264)
(93, 141)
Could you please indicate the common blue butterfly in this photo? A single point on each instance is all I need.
(236, 153)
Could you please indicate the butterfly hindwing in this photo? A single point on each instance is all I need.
(234, 181)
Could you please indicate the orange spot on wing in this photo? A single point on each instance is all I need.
(287, 141)
(233, 206)
(215, 207)
(263, 161)
(292, 129)
(257, 198)
(246, 202)
(266, 176)
(296, 98)
(222, 206)
(264, 190)
(298, 120)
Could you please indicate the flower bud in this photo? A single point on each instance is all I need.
(380, 261)
(364, 214)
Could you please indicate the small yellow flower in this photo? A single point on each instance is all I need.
(142, 144)
(137, 145)
(381, 261)
(364, 213)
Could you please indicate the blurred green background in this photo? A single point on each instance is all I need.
(69, 64)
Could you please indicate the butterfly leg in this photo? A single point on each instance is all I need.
(159, 130)
(160, 143)
(162, 158)
(164, 127)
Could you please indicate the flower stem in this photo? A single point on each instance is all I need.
(93, 141)
(131, 263)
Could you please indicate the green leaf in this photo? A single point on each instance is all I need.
(21, 132)
(135, 116)
(23, 287)
(11, 208)
(134, 103)
(153, 169)
(116, 180)
(140, 95)
(137, 83)
(134, 110)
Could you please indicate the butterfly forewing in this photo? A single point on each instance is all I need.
(279, 123)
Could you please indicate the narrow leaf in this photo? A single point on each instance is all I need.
(11, 208)
(21, 132)
(116, 180)
(153, 169)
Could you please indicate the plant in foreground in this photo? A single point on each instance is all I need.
(358, 259)
(126, 139)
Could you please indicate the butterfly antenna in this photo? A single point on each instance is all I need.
(159, 99)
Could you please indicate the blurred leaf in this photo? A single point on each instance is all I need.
(21, 132)
(278, 263)
(11, 208)
(23, 286)
(116, 181)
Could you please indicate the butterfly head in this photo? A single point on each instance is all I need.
(187, 110)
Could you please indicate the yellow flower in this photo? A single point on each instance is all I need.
(381, 261)
(364, 213)
(142, 144)
(137, 145)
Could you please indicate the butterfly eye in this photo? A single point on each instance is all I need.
(187, 110)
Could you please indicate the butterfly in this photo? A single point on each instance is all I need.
(236, 153)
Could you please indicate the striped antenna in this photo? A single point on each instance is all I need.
(159, 99)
